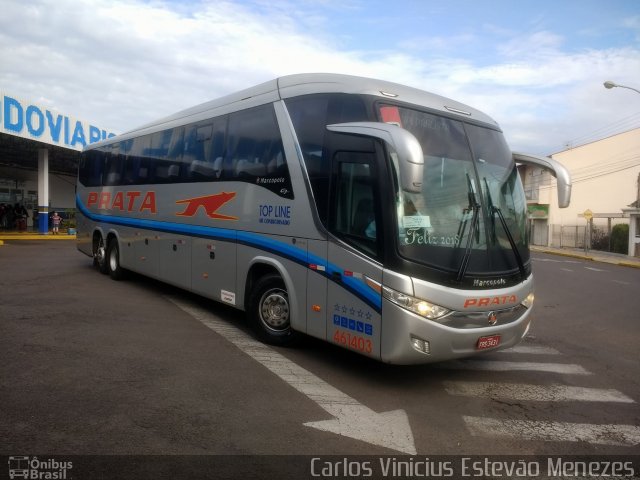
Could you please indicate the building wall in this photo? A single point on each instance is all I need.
(604, 180)
(604, 177)
(24, 190)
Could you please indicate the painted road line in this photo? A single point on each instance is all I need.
(536, 393)
(567, 270)
(532, 349)
(620, 435)
(496, 366)
(595, 269)
(352, 419)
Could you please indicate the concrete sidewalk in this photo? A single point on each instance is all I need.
(592, 255)
(18, 236)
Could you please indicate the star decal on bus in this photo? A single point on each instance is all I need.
(210, 203)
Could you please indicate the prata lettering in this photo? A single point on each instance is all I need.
(490, 301)
(16, 117)
(123, 201)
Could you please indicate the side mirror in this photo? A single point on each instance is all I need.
(410, 157)
(556, 169)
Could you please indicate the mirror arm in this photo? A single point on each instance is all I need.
(402, 141)
(556, 169)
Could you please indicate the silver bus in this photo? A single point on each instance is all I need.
(381, 218)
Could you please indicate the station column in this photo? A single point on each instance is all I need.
(43, 191)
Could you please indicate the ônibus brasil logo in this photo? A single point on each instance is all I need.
(39, 469)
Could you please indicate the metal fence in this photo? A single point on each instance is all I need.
(568, 236)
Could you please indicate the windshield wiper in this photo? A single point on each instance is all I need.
(474, 205)
(496, 210)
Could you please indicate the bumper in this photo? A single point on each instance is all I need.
(445, 342)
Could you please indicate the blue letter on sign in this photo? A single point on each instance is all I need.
(54, 127)
(8, 123)
(78, 135)
(31, 110)
(94, 134)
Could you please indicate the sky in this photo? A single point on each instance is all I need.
(536, 66)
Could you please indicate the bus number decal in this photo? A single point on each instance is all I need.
(355, 342)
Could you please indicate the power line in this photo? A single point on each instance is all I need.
(620, 126)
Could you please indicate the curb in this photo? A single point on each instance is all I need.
(4, 238)
(564, 254)
(621, 263)
(629, 264)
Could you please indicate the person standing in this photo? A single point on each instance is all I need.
(56, 220)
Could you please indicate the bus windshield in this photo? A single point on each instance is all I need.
(470, 216)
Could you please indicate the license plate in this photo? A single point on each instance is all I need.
(488, 342)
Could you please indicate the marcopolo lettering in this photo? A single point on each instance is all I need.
(25, 119)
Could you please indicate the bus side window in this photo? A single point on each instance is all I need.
(197, 152)
(354, 217)
(168, 169)
(136, 165)
(309, 117)
(91, 168)
(255, 152)
(114, 166)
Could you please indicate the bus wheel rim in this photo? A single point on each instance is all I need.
(100, 252)
(274, 310)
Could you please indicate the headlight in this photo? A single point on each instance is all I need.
(415, 305)
(528, 302)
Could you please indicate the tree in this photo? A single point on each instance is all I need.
(620, 238)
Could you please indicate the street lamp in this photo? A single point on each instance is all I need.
(610, 84)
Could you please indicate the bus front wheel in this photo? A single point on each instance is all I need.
(270, 311)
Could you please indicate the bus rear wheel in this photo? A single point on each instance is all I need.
(100, 255)
(113, 260)
(270, 312)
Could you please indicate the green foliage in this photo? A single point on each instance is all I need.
(620, 238)
(70, 217)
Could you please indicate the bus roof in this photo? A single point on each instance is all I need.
(306, 84)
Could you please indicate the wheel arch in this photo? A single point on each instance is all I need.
(106, 235)
(261, 266)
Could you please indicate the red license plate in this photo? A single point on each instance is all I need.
(488, 342)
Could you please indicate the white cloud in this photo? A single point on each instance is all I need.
(123, 63)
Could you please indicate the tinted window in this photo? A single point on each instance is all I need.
(254, 151)
(137, 167)
(199, 152)
(90, 168)
(204, 150)
(310, 116)
(354, 217)
(114, 166)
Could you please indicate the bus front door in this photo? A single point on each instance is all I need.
(354, 294)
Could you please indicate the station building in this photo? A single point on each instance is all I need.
(39, 153)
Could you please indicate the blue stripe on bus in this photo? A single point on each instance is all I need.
(353, 285)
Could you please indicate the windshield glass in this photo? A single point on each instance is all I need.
(470, 193)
